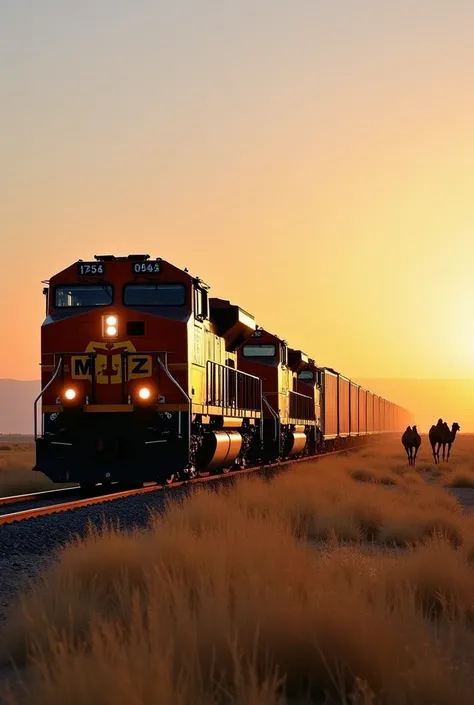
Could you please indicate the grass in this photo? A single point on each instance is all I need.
(17, 458)
(326, 585)
(461, 479)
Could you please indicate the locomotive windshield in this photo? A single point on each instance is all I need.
(83, 295)
(154, 295)
(259, 350)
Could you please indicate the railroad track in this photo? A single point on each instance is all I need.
(34, 496)
(55, 508)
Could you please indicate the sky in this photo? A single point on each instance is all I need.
(312, 161)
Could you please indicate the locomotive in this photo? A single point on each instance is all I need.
(146, 378)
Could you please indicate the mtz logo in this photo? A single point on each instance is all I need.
(109, 363)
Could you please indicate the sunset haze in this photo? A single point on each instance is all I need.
(311, 161)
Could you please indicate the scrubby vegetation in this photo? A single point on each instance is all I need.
(348, 580)
(17, 458)
(16, 477)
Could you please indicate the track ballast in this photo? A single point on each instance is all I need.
(58, 507)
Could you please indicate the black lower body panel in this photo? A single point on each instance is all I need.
(130, 448)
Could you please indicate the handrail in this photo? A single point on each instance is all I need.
(301, 406)
(35, 403)
(298, 394)
(227, 386)
(92, 356)
(274, 414)
(226, 367)
(164, 366)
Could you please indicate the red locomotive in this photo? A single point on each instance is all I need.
(146, 378)
(290, 422)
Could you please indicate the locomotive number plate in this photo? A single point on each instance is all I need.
(90, 269)
(146, 267)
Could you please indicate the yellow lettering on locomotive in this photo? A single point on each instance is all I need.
(139, 366)
(109, 363)
(81, 368)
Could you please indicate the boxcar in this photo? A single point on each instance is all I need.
(344, 409)
(330, 404)
(354, 404)
(382, 415)
(370, 412)
(362, 411)
(376, 414)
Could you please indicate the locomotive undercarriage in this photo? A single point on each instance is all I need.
(105, 448)
(220, 451)
(216, 448)
(146, 446)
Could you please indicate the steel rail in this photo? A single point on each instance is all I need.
(32, 496)
(22, 515)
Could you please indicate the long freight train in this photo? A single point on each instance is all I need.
(146, 378)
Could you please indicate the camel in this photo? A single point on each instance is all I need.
(440, 435)
(411, 441)
(448, 437)
(434, 436)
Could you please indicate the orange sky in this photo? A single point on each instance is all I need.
(314, 164)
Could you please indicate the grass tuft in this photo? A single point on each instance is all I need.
(312, 588)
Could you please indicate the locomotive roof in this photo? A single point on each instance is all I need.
(264, 333)
(143, 259)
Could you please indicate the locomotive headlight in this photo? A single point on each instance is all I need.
(70, 394)
(144, 393)
(110, 326)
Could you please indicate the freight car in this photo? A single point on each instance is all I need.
(146, 378)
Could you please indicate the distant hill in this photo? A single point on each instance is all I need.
(429, 399)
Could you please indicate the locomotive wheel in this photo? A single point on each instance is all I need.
(169, 479)
(190, 473)
(219, 471)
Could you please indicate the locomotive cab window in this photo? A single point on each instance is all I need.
(83, 296)
(252, 350)
(306, 375)
(154, 295)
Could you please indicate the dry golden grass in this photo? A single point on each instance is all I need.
(321, 499)
(273, 592)
(460, 478)
(16, 476)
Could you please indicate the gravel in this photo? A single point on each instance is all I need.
(29, 547)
